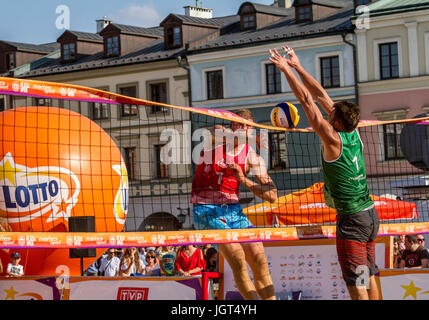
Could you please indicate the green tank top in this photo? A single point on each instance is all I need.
(346, 189)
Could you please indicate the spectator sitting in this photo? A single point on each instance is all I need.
(401, 243)
(211, 260)
(110, 264)
(130, 263)
(204, 248)
(142, 253)
(189, 261)
(396, 253)
(152, 264)
(415, 255)
(166, 257)
(421, 241)
(14, 269)
(94, 268)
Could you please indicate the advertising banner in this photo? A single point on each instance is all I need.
(311, 268)
(134, 288)
(405, 284)
(29, 289)
(68, 240)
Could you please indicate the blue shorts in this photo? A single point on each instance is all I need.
(216, 216)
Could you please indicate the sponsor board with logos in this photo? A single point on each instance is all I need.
(309, 266)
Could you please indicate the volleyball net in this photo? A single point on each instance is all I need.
(129, 164)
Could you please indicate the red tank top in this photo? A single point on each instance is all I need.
(213, 183)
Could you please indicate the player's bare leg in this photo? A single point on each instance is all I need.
(236, 258)
(255, 257)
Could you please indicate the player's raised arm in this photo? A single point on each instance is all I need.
(322, 127)
(316, 90)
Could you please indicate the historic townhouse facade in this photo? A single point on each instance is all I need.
(141, 63)
(393, 73)
(233, 72)
(201, 61)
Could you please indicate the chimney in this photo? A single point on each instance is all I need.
(102, 23)
(284, 4)
(198, 12)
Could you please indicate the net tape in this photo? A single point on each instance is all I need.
(293, 211)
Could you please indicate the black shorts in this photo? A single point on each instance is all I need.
(356, 234)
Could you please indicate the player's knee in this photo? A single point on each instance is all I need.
(237, 261)
(259, 261)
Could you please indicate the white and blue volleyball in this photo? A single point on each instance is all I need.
(285, 115)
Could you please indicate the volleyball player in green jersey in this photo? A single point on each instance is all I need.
(343, 169)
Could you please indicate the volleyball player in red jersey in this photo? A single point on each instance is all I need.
(216, 196)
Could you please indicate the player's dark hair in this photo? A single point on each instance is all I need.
(411, 238)
(348, 114)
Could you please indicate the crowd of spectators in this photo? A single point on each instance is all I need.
(186, 260)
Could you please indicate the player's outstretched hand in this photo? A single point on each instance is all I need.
(280, 61)
(293, 58)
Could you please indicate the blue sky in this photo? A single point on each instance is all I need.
(32, 21)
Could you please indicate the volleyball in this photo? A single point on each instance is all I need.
(285, 115)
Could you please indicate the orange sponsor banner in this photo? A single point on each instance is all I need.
(66, 240)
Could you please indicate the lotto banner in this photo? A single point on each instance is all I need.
(405, 284)
(134, 288)
(36, 288)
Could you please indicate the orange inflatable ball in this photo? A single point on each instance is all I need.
(56, 164)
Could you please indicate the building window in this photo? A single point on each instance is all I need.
(170, 38)
(304, 14)
(158, 93)
(389, 60)
(100, 111)
(2, 103)
(177, 36)
(278, 152)
(174, 37)
(42, 102)
(112, 48)
(130, 155)
(10, 60)
(69, 51)
(391, 135)
(214, 85)
(361, 2)
(161, 168)
(128, 109)
(330, 72)
(273, 79)
(248, 21)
